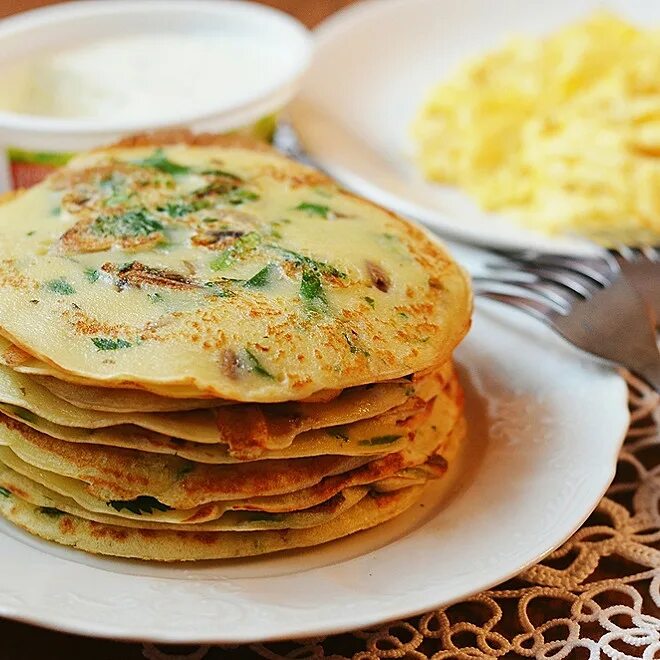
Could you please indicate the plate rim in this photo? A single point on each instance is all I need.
(442, 221)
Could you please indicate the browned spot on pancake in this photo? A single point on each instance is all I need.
(244, 429)
(102, 531)
(88, 178)
(172, 137)
(419, 411)
(383, 500)
(14, 356)
(329, 506)
(11, 277)
(219, 239)
(89, 326)
(201, 514)
(82, 239)
(437, 464)
(66, 525)
(19, 491)
(298, 178)
(138, 275)
(148, 533)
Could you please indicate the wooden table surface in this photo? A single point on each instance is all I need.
(309, 12)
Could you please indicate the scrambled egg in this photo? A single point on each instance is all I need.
(562, 133)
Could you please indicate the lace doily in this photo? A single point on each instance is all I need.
(598, 596)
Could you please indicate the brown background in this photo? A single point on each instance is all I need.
(309, 12)
(22, 642)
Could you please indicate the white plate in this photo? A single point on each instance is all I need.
(374, 64)
(545, 430)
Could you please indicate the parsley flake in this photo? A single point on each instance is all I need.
(139, 505)
(51, 511)
(61, 286)
(159, 161)
(380, 440)
(110, 343)
(319, 210)
(242, 246)
(261, 279)
(129, 224)
(311, 290)
(92, 275)
(4, 492)
(251, 363)
(339, 432)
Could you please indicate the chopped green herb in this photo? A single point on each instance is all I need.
(215, 289)
(340, 432)
(241, 196)
(311, 290)
(61, 286)
(155, 297)
(371, 302)
(129, 224)
(261, 279)
(353, 347)
(301, 260)
(251, 363)
(177, 209)
(22, 413)
(110, 343)
(318, 210)
(92, 275)
(140, 505)
(243, 245)
(4, 492)
(263, 516)
(380, 440)
(118, 198)
(403, 315)
(223, 173)
(51, 512)
(31, 233)
(56, 211)
(159, 161)
(186, 469)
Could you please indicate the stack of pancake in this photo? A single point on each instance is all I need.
(211, 351)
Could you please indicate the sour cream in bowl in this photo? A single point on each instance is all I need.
(83, 74)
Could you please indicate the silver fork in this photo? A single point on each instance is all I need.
(591, 303)
(641, 265)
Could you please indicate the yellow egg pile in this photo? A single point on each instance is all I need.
(560, 133)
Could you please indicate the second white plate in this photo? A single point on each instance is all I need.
(374, 65)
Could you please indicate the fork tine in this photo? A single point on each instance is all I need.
(561, 303)
(636, 253)
(652, 253)
(594, 268)
(573, 282)
(539, 310)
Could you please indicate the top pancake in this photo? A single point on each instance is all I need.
(211, 266)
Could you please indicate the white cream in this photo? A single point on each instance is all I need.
(141, 77)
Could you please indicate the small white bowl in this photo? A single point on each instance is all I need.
(37, 143)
